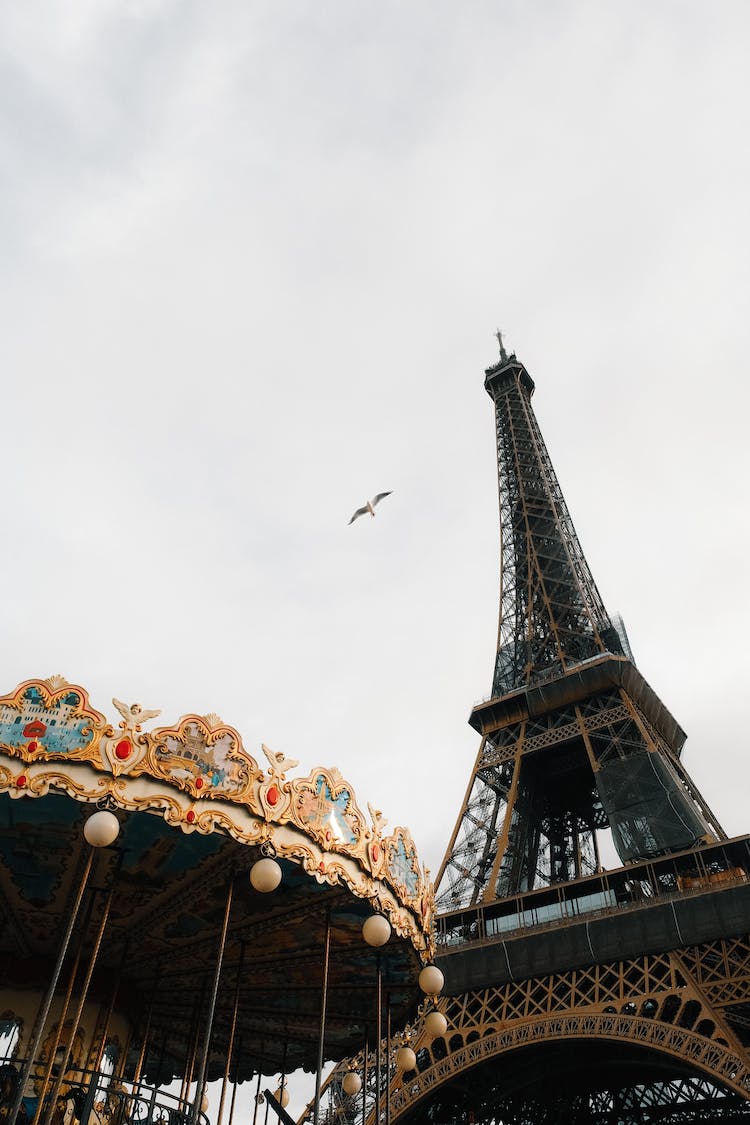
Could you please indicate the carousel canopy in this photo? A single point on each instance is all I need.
(196, 813)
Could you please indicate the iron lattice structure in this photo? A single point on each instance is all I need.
(551, 614)
(575, 741)
(574, 993)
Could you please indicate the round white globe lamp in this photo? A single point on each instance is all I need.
(101, 829)
(352, 1083)
(405, 1058)
(376, 930)
(435, 1024)
(282, 1097)
(431, 980)
(265, 875)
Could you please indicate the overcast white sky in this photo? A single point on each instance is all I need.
(253, 256)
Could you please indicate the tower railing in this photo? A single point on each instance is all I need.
(628, 888)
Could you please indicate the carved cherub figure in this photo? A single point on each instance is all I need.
(133, 715)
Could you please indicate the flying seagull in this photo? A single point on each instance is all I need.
(369, 507)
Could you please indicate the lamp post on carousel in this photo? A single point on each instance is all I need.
(323, 1003)
(376, 931)
(200, 1091)
(232, 1032)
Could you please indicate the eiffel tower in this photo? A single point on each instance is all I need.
(574, 993)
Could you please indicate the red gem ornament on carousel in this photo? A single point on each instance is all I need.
(272, 796)
(199, 783)
(21, 781)
(190, 816)
(122, 749)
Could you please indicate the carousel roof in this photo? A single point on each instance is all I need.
(196, 812)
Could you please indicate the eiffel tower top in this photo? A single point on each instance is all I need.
(551, 614)
(501, 345)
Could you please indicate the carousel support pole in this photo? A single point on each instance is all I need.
(364, 1081)
(188, 1055)
(233, 1029)
(88, 1104)
(236, 1082)
(257, 1088)
(323, 1002)
(111, 1008)
(388, 1059)
(52, 1054)
(146, 1033)
(378, 1036)
(257, 1102)
(122, 1065)
(47, 1002)
(192, 1049)
(282, 1084)
(82, 1000)
(212, 1005)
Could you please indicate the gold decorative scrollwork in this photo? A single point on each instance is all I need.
(41, 721)
(203, 759)
(323, 805)
(198, 776)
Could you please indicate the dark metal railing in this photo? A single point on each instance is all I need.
(93, 1098)
(626, 888)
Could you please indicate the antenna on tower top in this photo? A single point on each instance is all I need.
(503, 353)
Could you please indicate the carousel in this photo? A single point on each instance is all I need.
(179, 915)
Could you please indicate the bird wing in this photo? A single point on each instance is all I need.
(269, 754)
(144, 715)
(380, 496)
(377, 818)
(359, 512)
(123, 709)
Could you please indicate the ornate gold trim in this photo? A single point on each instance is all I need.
(199, 777)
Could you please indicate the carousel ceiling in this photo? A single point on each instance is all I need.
(196, 811)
